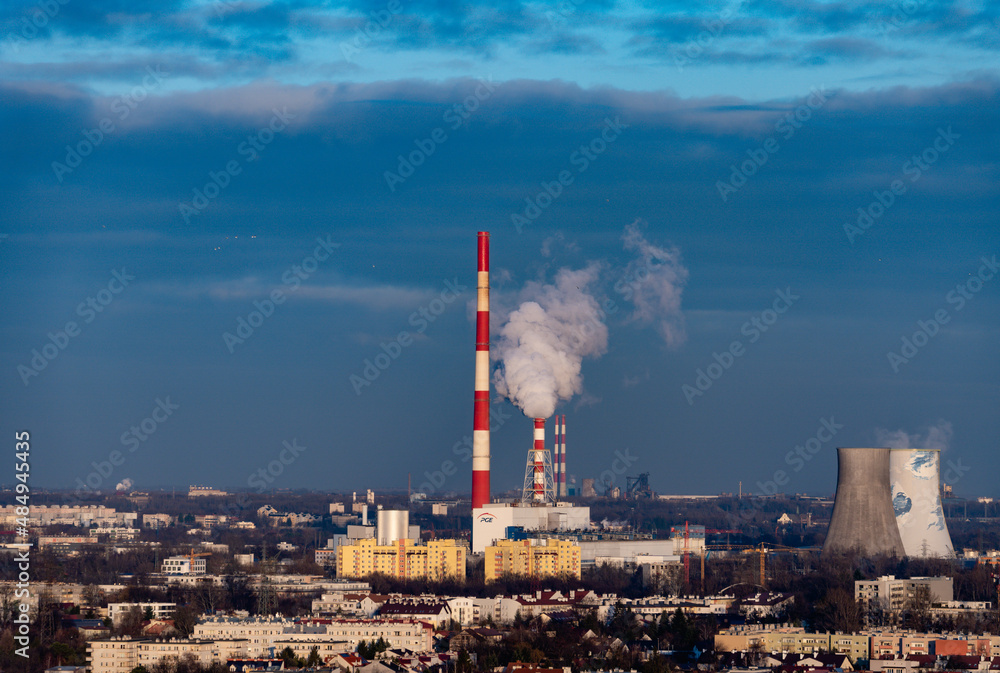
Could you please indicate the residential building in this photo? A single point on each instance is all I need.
(204, 491)
(263, 633)
(895, 594)
(532, 558)
(183, 565)
(403, 559)
(122, 655)
(421, 608)
(117, 611)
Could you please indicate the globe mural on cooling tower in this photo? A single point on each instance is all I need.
(916, 498)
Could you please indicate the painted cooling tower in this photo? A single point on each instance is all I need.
(915, 477)
(393, 524)
(863, 518)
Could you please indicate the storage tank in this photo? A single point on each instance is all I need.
(863, 518)
(393, 524)
(915, 477)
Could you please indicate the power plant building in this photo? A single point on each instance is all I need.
(863, 518)
(532, 558)
(915, 476)
(490, 523)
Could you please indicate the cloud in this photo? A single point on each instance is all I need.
(654, 282)
(937, 436)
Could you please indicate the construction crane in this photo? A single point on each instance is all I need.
(192, 555)
(764, 548)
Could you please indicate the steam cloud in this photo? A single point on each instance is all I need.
(654, 282)
(938, 437)
(542, 345)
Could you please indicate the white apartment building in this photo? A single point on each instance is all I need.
(116, 611)
(183, 565)
(121, 655)
(75, 515)
(896, 593)
(263, 635)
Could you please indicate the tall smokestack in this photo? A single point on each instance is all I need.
(562, 459)
(539, 463)
(555, 455)
(539, 481)
(481, 414)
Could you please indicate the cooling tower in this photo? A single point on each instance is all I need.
(915, 476)
(863, 518)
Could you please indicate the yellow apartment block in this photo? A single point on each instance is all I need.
(403, 559)
(532, 558)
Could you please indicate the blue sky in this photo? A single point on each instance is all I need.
(204, 148)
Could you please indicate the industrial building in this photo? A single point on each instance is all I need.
(532, 558)
(403, 559)
(491, 523)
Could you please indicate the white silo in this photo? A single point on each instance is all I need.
(393, 524)
(915, 475)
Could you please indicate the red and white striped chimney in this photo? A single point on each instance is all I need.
(555, 458)
(562, 459)
(539, 462)
(481, 414)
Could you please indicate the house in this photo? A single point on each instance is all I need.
(765, 604)
(470, 637)
(521, 667)
(432, 610)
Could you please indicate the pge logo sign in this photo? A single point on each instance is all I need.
(486, 517)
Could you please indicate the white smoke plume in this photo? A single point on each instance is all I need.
(938, 437)
(124, 485)
(542, 345)
(654, 282)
